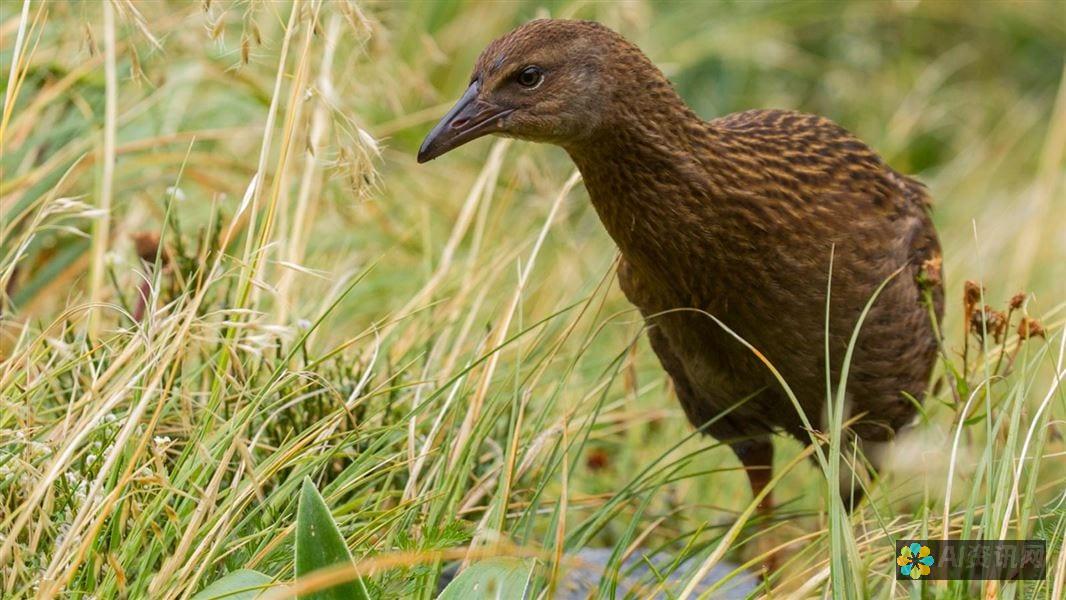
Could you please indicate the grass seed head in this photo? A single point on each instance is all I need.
(988, 320)
(971, 298)
(931, 273)
(1030, 328)
(217, 27)
(356, 19)
(90, 41)
(257, 35)
(136, 73)
(971, 295)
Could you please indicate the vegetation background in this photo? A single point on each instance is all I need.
(222, 271)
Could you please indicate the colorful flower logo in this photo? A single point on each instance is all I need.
(914, 561)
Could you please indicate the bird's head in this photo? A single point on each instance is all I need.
(549, 80)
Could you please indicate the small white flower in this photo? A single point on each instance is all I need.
(277, 330)
(176, 193)
(303, 324)
(37, 449)
(160, 444)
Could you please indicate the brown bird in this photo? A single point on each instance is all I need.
(737, 218)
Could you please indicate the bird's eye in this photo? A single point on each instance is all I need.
(530, 77)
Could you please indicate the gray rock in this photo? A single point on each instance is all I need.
(636, 577)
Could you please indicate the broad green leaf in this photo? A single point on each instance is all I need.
(319, 544)
(244, 584)
(500, 577)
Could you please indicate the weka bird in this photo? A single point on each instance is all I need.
(736, 218)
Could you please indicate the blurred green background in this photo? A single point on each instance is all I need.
(962, 95)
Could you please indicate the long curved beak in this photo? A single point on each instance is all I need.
(469, 119)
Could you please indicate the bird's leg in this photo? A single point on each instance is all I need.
(757, 456)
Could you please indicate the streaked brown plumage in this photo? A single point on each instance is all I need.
(737, 218)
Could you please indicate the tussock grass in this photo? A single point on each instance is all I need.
(222, 271)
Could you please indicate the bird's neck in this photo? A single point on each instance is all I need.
(654, 177)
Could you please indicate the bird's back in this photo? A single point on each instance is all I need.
(799, 156)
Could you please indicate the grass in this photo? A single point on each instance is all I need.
(223, 272)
